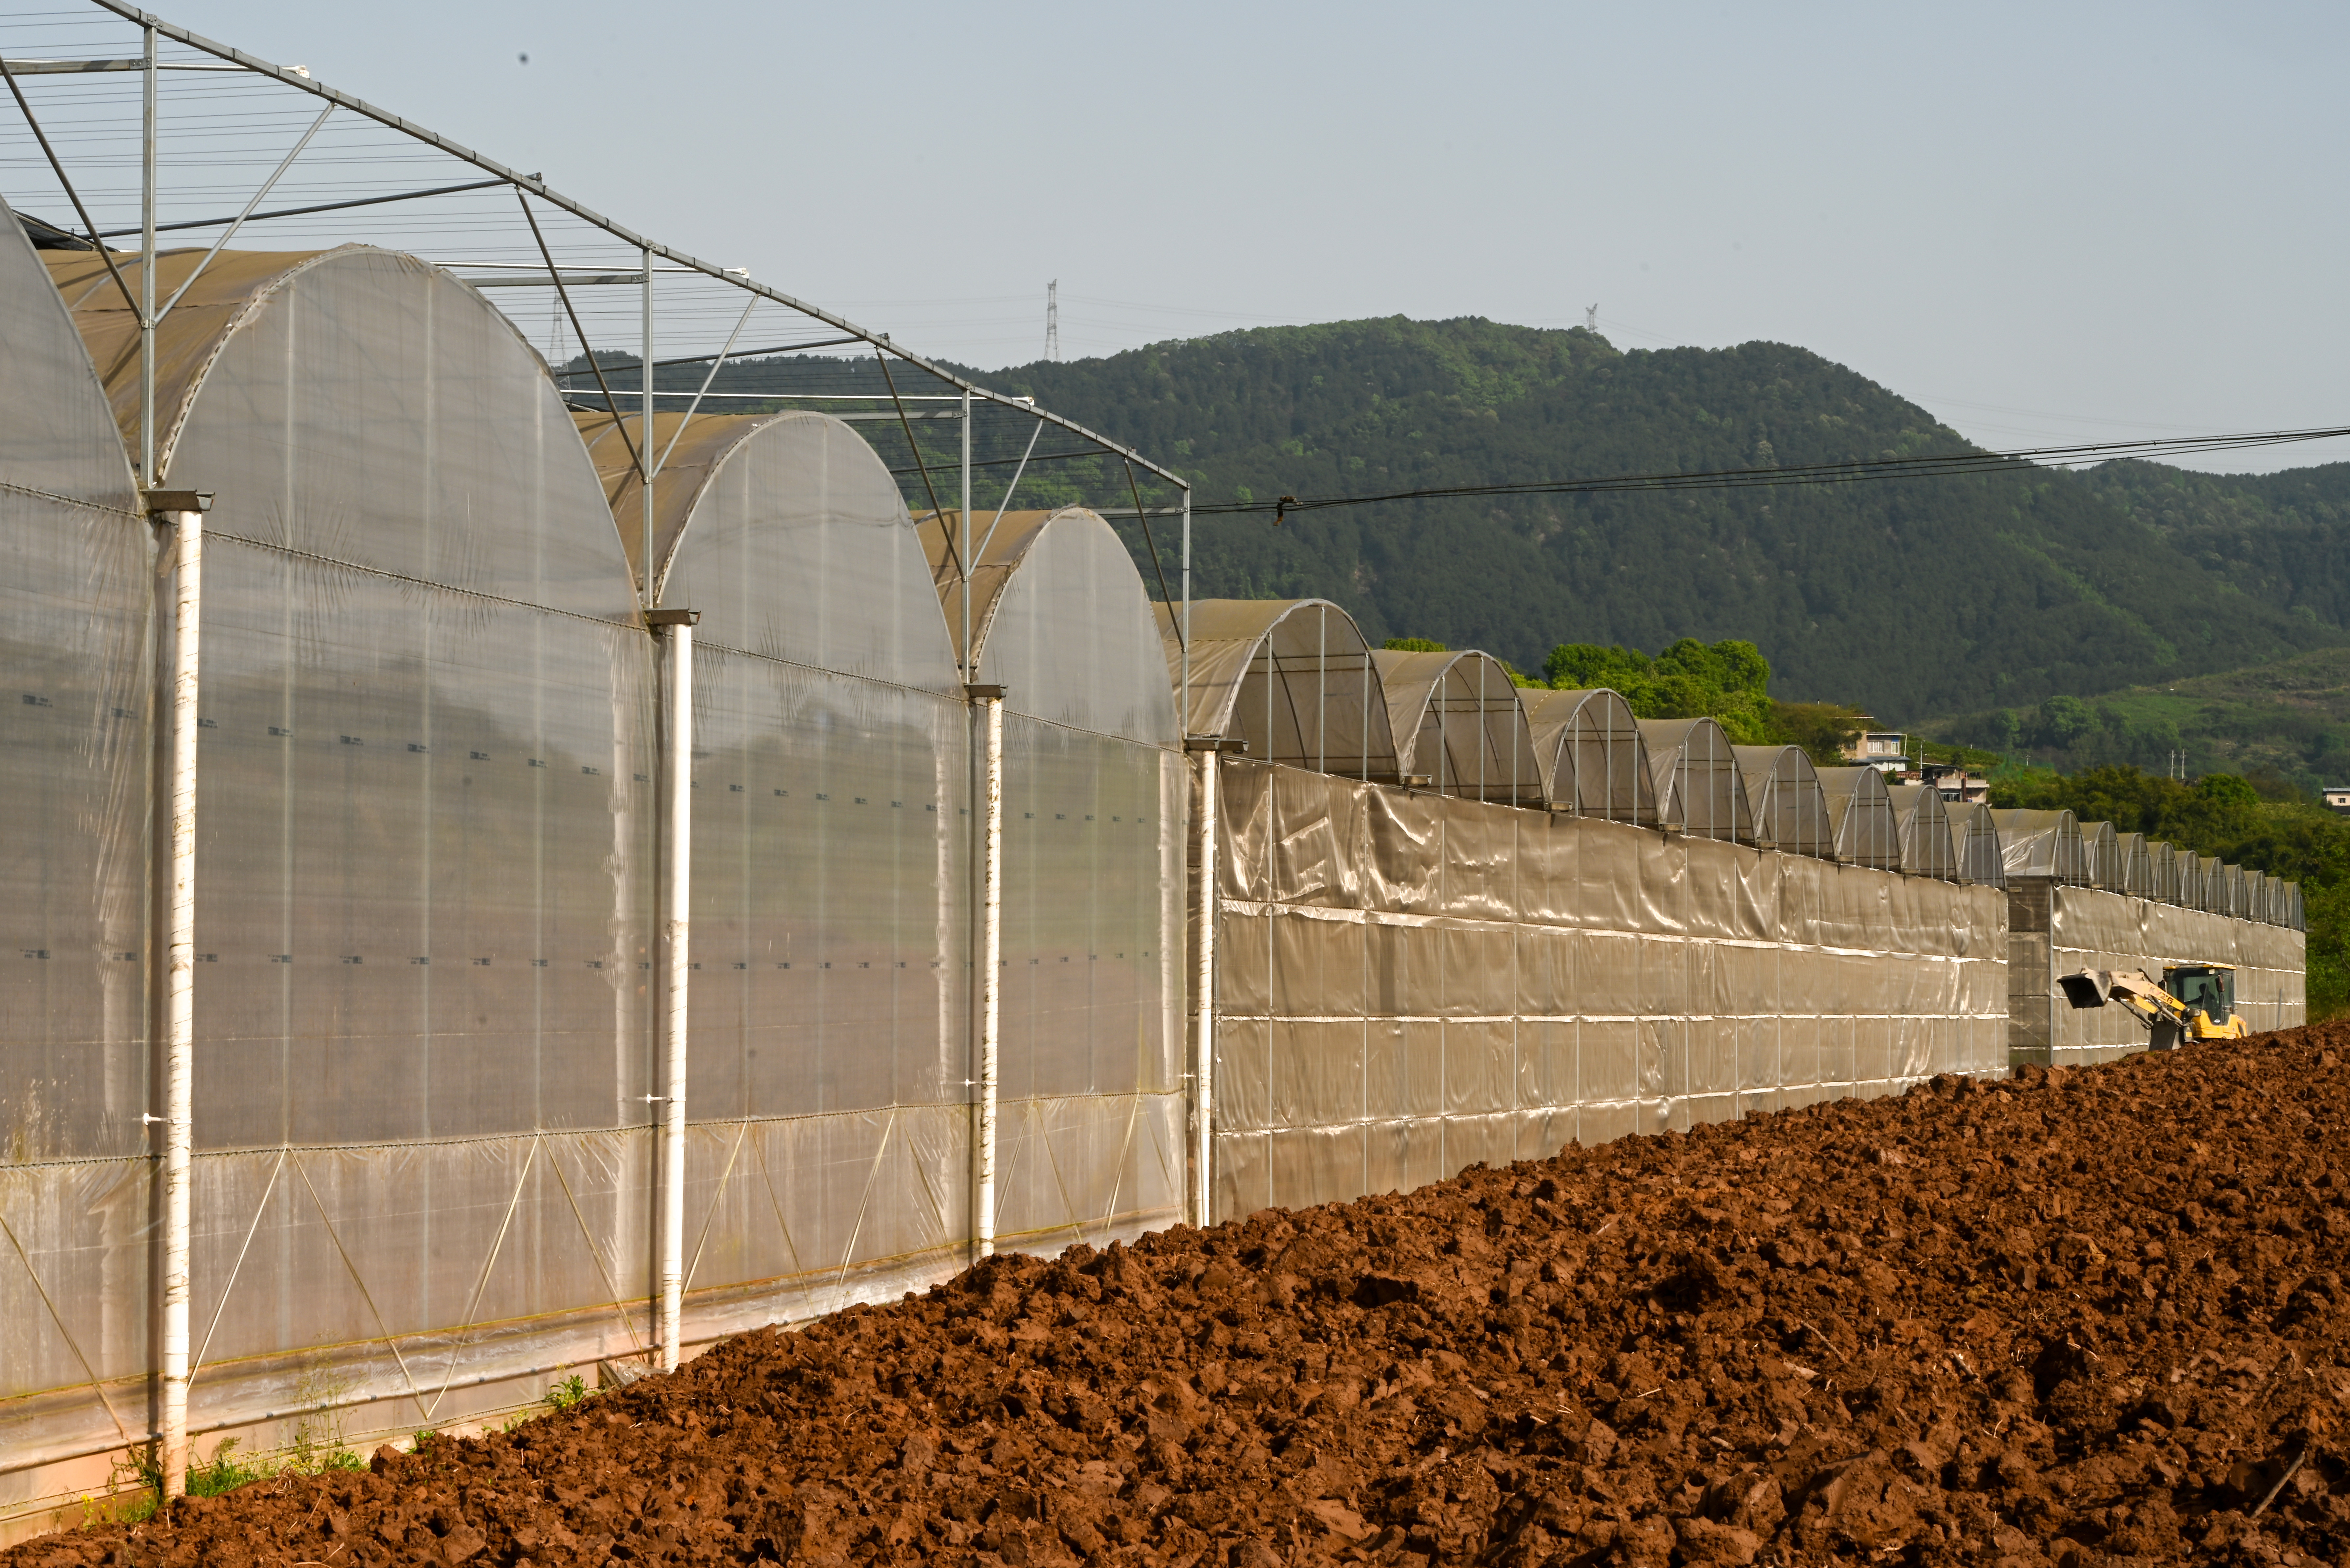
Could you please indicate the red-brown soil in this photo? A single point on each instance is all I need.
(2086, 1318)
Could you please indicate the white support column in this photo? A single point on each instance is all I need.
(675, 629)
(990, 963)
(1203, 989)
(182, 512)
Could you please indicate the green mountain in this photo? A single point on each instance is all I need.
(1907, 597)
(2278, 537)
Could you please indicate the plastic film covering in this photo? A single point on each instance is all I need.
(2092, 928)
(76, 755)
(2042, 844)
(1292, 678)
(828, 1120)
(1593, 758)
(1974, 837)
(421, 1021)
(1865, 833)
(1698, 790)
(2101, 847)
(1782, 789)
(2136, 877)
(1458, 725)
(1488, 983)
(1095, 791)
(2162, 872)
(2190, 880)
(1922, 820)
(2211, 884)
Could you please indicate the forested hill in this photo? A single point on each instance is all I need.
(2279, 536)
(1908, 597)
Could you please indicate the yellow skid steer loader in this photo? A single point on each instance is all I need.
(2191, 1001)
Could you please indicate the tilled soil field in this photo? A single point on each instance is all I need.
(2081, 1319)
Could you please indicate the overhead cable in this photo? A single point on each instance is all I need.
(1846, 471)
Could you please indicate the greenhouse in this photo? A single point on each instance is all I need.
(524, 872)
(1921, 821)
(1782, 792)
(1699, 790)
(1974, 839)
(1593, 759)
(1862, 816)
(1291, 680)
(2042, 844)
(1460, 727)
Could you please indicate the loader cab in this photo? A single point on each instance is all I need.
(2206, 988)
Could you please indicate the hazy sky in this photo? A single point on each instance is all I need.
(2043, 222)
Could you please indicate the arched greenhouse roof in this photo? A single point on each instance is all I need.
(1059, 617)
(1974, 839)
(1698, 790)
(2043, 844)
(1593, 758)
(1458, 717)
(1863, 813)
(1922, 821)
(1782, 790)
(788, 534)
(1293, 679)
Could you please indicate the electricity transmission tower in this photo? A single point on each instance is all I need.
(1591, 318)
(1053, 320)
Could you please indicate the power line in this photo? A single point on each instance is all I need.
(1849, 471)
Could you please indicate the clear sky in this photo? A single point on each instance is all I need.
(2044, 222)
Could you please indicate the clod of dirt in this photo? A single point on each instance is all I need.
(2078, 1319)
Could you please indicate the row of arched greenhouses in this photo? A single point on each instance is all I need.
(1295, 681)
(445, 949)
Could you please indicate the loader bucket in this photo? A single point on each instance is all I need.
(2089, 987)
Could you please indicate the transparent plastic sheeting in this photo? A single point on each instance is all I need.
(2059, 930)
(75, 761)
(1091, 1112)
(1407, 983)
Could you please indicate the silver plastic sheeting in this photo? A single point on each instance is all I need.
(2060, 930)
(2042, 844)
(1698, 790)
(76, 757)
(1407, 983)
(1292, 679)
(1591, 754)
(1866, 834)
(1783, 788)
(1923, 823)
(1459, 726)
